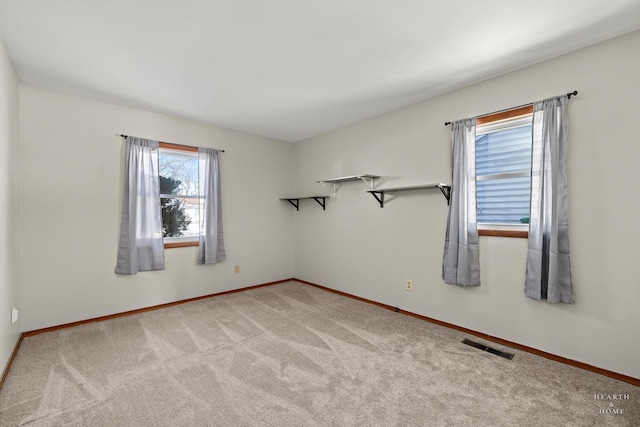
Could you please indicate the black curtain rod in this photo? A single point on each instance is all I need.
(569, 95)
(125, 136)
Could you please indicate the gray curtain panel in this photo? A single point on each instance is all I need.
(548, 274)
(211, 235)
(141, 247)
(461, 262)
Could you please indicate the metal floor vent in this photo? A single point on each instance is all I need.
(488, 349)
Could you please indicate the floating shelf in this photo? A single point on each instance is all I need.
(379, 193)
(369, 180)
(295, 201)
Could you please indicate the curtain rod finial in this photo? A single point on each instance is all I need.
(570, 94)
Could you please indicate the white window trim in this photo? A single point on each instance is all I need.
(181, 239)
(503, 227)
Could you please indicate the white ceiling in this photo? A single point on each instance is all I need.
(290, 69)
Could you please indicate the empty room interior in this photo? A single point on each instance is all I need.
(336, 193)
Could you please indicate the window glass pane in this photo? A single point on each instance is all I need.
(178, 172)
(180, 217)
(503, 201)
(504, 151)
(179, 177)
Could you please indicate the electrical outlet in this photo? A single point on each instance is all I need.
(237, 269)
(408, 285)
(14, 315)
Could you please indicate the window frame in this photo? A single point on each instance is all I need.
(504, 230)
(179, 242)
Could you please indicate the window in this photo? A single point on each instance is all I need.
(503, 172)
(180, 198)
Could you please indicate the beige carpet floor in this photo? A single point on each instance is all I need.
(293, 355)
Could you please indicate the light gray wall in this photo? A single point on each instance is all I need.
(9, 213)
(357, 247)
(71, 169)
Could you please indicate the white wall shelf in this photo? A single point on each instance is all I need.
(295, 201)
(369, 180)
(378, 194)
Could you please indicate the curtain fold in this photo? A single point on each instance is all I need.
(548, 274)
(461, 262)
(141, 247)
(211, 246)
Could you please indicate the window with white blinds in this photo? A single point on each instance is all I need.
(503, 171)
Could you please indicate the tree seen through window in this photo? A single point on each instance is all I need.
(179, 193)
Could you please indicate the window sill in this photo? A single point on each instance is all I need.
(504, 233)
(171, 245)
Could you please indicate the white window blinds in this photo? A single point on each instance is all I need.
(503, 165)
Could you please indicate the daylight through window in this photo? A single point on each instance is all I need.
(179, 195)
(503, 170)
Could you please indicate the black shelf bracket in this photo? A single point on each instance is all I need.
(446, 192)
(322, 201)
(294, 202)
(378, 195)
